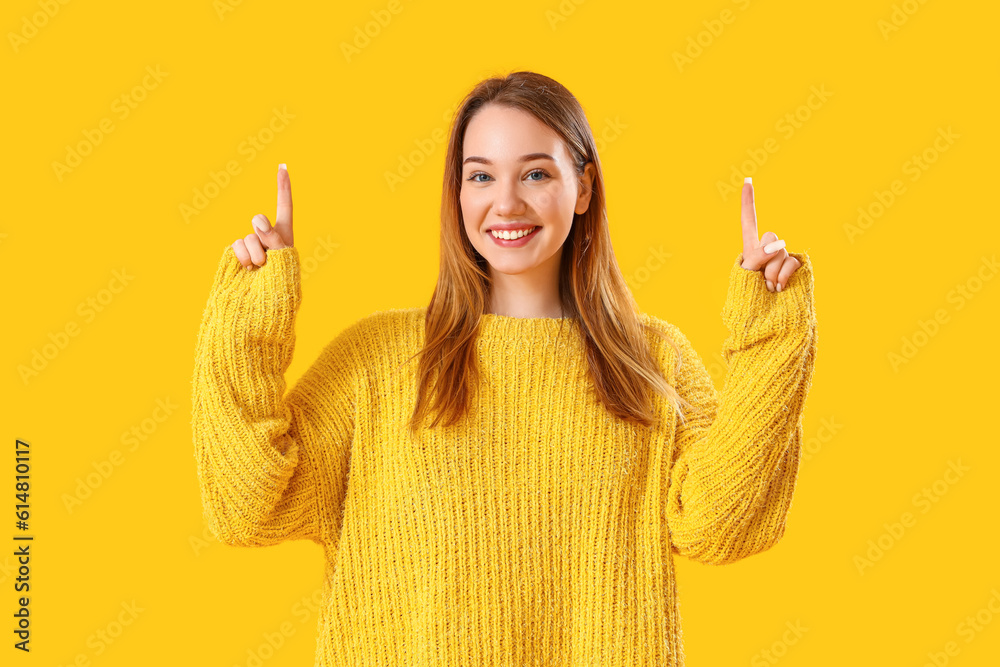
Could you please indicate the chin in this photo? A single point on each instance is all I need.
(509, 268)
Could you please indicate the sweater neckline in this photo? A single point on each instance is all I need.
(493, 326)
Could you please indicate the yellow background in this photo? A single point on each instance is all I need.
(877, 433)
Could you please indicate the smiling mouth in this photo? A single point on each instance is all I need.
(513, 234)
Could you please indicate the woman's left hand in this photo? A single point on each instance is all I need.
(767, 252)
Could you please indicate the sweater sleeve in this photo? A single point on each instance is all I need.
(736, 455)
(270, 467)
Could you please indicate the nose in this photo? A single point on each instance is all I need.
(509, 201)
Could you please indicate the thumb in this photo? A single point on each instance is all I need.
(768, 237)
(268, 235)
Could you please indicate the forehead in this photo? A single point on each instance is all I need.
(504, 134)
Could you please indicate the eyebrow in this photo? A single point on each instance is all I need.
(524, 158)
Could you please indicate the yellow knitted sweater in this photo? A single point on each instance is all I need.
(540, 530)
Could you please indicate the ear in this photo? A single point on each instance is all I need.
(586, 184)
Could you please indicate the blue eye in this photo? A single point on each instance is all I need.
(472, 176)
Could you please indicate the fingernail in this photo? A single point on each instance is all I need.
(749, 180)
(770, 285)
(774, 246)
(260, 225)
(779, 287)
(282, 166)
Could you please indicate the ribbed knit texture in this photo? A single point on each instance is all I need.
(540, 530)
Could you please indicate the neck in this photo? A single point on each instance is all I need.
(533, 293)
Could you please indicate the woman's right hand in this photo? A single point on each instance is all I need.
(252, 249)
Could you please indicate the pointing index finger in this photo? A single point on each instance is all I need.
(748, 217)
(283, 217)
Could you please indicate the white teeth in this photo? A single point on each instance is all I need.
(512, 235)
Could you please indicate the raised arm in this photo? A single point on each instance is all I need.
(271, 467)
(736, 456)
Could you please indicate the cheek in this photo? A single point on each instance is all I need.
(465, 202)
(470, 200)
(550, 203)
(471, 217)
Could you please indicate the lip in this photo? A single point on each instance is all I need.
(515, 243)
(510, 226)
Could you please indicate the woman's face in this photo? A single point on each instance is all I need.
(517, 174)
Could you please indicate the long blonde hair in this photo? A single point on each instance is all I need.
(591, 285)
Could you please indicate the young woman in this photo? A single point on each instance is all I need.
(504, 476)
